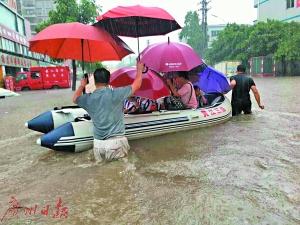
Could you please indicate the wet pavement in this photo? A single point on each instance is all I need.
(245, 171)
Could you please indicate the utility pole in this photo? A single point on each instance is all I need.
(204, 9)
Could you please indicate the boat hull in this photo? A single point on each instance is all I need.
(78, 136)
(52, 119)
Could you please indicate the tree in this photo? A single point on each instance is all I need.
(289, 47)
(192, 33)
(230, 44)
(83, 11)
(241, 42)
(265, 37)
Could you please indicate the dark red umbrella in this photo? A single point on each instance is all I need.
(153, 87)
(80, 42)
(170, 56)
(137, 21)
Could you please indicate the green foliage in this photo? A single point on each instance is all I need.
(240, 42)
(230, 44)
(83, 11)
(42, 25)
(290, 45)
(87, 11)
(265, 38)
(91, 67)
(192, 33)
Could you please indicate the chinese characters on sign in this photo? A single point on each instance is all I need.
(12, 35)
(211, 112)
(15, 61)
(15, 210)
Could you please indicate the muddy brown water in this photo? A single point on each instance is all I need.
(245, 171)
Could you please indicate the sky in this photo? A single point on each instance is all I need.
(221, 12)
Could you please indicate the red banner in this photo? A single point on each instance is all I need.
(298, 4)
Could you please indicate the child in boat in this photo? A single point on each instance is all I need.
(202, 101)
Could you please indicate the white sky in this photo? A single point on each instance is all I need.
(227, 11)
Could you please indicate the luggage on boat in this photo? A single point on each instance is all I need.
(173, 103)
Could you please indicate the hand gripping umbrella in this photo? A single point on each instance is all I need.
(137, 21)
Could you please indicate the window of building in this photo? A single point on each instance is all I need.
(214, 33)
(21, 27)
(8, 45)
(8, 18)
(290, 4)
(25, 50)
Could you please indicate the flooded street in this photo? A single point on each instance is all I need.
(245, 171)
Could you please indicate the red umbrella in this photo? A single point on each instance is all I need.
(137, 21)
(170, 56)
(80, 42)
(153, 87)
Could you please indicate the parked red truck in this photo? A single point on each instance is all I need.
(43, 78)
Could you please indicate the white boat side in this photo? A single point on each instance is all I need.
(78, 136)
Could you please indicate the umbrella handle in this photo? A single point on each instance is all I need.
(87, 81)
(146, 68)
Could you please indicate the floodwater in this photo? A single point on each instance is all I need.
(245, 171)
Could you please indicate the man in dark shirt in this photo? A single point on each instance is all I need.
(241, 85)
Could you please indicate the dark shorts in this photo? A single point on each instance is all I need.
(240, 106)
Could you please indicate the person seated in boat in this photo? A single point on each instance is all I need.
(131, 105)
(184, 90)
(105, 107)
(202, 101)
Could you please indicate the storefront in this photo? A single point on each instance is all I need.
(14, 46)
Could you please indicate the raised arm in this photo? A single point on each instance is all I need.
(138, 79)
(257, 96)
(79, 90)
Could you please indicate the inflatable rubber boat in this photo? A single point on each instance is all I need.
(77, 136)
(52, 119)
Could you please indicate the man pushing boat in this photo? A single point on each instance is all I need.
(105, 106)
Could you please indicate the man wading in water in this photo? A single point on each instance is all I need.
(241, 85)
(105, 106)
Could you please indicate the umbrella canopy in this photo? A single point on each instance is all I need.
(212, 81)
(80, 42)
(170, 56)
(153, 87)
(137, 21)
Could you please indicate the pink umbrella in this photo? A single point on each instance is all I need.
(153, 87)
(170, 56)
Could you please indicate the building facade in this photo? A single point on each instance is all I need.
(283, 10)
(35, 11)
(14, 46)
(213, 32)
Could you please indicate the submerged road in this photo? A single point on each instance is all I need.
(245, 171)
